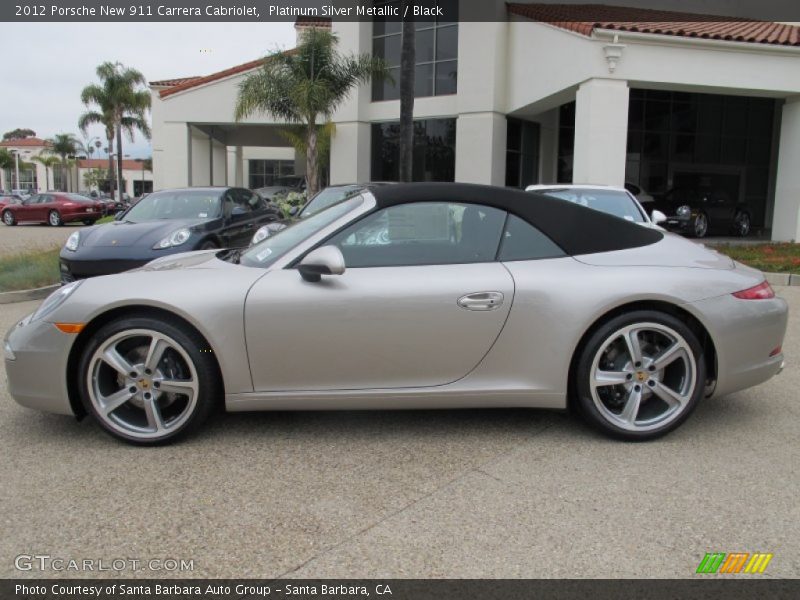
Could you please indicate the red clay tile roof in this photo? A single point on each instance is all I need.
(312, 22)
(585, 18)
(32, 142)
(102, 163)
(248, 66)
(175, 81)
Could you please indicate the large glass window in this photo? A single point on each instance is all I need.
(434, 150)
(436, 56)
(423, 233)
(675, 136)
(522, 153)
(263, 173)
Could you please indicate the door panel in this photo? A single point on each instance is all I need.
(378, 327)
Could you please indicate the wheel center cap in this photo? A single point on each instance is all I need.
(144, 384)
(641, 376)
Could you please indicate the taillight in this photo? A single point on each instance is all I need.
(762, 291)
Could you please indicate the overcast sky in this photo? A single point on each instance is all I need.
(48, 64)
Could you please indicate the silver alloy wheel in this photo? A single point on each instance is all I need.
(643, 377)
(700, 225)
(54, 218)
(742, 222)
(142, 383)
(8, 218)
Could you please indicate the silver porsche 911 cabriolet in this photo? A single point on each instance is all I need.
(409, 296)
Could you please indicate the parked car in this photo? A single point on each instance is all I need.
(9, 199)
(321, 200)
(54, 208)
(480, 298)
(697, 212)
(111, 206)
(608, 199)
(282, 185)
(166, 222)
(642, 196)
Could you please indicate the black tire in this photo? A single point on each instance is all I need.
(208, 245)
(8, 218)
(208, 381)
(741, 224)
(89, 221)
(54, 219)
(700, 226)
(584, 402)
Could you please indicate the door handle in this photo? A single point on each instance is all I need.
(481, 301)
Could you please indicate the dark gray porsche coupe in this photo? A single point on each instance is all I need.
(163, 223)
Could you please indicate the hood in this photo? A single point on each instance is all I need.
(121, 234)
(200, 259)
(672, 251)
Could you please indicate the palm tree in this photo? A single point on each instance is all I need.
(305, 86)
(407, 81)
(65, 145)
(7, 162)
(119, 105)
(48, 161)
(296, 136)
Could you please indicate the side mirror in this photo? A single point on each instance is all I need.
(658, 217)
(294, 210)
(327, 260)
(119, 214)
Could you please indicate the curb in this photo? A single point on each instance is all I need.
(34, 294)
(791, 279)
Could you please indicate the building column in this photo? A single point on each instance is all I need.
(601, 132)
(786, 214)
(481, 148)
(350, 153)
(238, 165)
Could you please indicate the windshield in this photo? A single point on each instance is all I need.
(177, 204)
(328, 197)
(275, 246)
(613, 202)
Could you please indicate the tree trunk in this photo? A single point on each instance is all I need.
(312, 168)
(110, 135)
(119, 163)
(407, 76)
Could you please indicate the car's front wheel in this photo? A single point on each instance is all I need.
(147, 381)
(640, 375)
(8, 218)
(741, 224)
(700, 225)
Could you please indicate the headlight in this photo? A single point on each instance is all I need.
(176, 238)
(73, 240)
(56, 299)
(261, 234)
(684, 211)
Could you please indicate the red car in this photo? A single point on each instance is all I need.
(55, 208)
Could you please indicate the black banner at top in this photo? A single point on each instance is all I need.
(644, 11)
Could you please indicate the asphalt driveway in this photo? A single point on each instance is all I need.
(499, 493)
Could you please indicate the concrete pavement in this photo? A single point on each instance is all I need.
(496, 493)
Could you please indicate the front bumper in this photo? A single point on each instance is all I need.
(678, 224)
(37, 372)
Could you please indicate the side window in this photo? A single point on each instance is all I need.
(423, 233)
(522, 241)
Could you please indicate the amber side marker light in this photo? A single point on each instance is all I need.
(776, 351)
(762, 291)
(70, 327)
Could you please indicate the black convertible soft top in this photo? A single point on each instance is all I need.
(576, 229)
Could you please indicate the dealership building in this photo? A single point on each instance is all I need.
(547, 93)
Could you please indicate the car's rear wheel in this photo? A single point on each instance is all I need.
(54, 218)
(88, 221)
(640, 375)
(8, 218)
(700, 225)
(741, 224)
(147, 381)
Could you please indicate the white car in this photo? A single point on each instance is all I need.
(612, 200)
